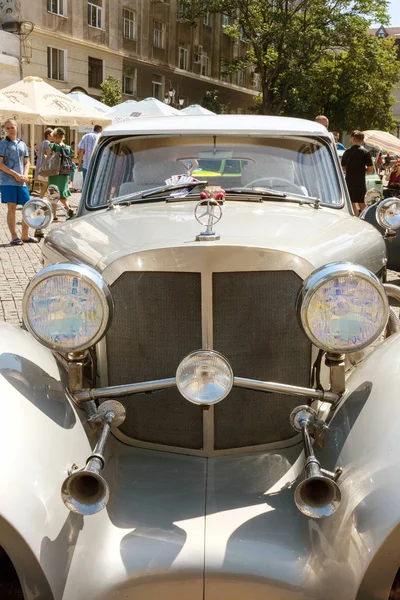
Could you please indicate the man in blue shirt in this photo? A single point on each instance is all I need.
(86, 147)
(339, 145)
(14, 169)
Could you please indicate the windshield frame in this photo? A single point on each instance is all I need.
(85, 207)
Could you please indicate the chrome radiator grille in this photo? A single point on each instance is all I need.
(255, 327)
(158, 321)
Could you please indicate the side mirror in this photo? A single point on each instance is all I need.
(37, 213)
(53, 194)
(372, 197)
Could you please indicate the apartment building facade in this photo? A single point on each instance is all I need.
(145, 44)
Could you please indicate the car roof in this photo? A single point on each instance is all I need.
(253, 125)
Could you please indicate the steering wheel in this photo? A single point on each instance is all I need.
(269, 182)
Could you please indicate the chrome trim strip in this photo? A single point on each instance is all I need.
(293, 441)
(116, 391)
(282, 388)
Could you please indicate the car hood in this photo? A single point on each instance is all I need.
(319, 235)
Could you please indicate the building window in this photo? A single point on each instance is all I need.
(158, 84)
(207, 19)
(56, 64)
(95, 72)
(129, 24)
(95, 13)
(158, 34)
(224, 76)
(183, 59)
(56, 6)
(129, 80)
(240, 79)
(225, 20)
(204, 65)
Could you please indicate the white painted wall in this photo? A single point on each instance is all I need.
(9, 59)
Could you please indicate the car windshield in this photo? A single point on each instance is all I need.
(295, 165)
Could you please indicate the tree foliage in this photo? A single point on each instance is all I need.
(111, 91)
(212, 102)
(313, 56)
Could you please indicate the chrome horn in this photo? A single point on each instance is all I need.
(85, 491)
(318, 495)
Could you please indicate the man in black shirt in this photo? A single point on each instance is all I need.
(356, 161)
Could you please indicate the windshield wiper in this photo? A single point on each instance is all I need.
(158, 193)
(270, 193)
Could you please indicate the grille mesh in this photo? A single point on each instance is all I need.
(157, 322)
(256, 328)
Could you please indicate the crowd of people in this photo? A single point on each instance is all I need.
(357, 161)
(15, 167)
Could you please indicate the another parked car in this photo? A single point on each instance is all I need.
(204, 403)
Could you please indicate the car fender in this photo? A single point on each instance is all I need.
(42, 435)
(363, 439)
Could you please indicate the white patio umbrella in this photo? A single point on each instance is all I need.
(52, 106)
(196, 109)
(149, 107)
(10, 108)
(89, 102)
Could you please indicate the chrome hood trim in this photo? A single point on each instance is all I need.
(103, 237)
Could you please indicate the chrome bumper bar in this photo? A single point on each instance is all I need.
(117, 391)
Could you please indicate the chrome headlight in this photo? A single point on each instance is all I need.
(388, 213)
(37, 213)
(67, 307)
(204, 377)
(343, 307)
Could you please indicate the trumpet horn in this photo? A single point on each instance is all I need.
(318, 495)
(85, 491)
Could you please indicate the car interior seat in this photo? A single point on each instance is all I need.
(151, 174)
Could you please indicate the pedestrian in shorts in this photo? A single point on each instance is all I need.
(356, 162)
(14, 169)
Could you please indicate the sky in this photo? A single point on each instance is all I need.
(394, 12)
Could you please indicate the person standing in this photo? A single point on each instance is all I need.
(86, 147)
(41, 157)
(322, 120)
(339, 145)
(356, 162)
(61, 181)
(14, 169)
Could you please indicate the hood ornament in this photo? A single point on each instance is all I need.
(208, 212)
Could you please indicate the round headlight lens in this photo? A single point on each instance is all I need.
(37, 213)
(67, 307)
(343, 307)
(204, 377)
(388, 213)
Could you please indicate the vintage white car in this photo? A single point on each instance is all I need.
(204, 403)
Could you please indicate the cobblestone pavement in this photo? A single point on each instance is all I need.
(19, 263)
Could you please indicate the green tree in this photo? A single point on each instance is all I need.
(211, 102)
(111, 91)
(296, 45)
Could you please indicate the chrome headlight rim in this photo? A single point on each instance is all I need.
(90, 276)
(197, 353)
(380, 213)
(41, 203)
(320, 277)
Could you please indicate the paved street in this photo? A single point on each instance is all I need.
(17, 266)
(19, 263)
